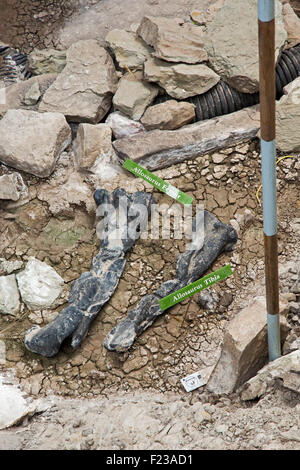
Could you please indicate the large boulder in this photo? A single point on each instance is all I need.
(129, 49)
(232, 43)
(169, 115)
(134, 95)
(83, 90)
(159, 148)
(245, 347)
(39, 284)
(180, 80)
(32, 141)
(173, 40)
(46, 61)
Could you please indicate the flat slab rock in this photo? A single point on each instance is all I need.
(162, 148)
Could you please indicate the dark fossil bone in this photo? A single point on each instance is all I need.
(218, 237)
(94, 288)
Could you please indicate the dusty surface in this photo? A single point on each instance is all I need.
(57, 225)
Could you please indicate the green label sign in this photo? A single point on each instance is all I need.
(157, 182)
(195, 287)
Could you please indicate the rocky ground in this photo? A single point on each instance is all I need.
(96, 399)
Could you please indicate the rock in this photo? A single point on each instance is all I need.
(129, 49)
(41, 61)
(94, 152)
(95, 287)
(122, 126)
(91, 141)
(134, 95)
(9, 295)
(169, 115)
(208, 299)
(287, 118)
(233, 43)
(286, 368)
(84, 89)
(39, 284)
(12, 187)
(198, 17)
(244, 349)
(180, 80)
(159, 149)
(15, 94)
(33, 95)
(13, 406)
(8, 267)
(32, 142)
(291, 24)
(173, 40)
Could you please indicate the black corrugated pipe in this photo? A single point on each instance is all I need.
(224, 99)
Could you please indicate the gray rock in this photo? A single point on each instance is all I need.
(286, 368)
(33, 95)
(32, 142)
(91, 141)
(83, 90)
(39, 284)
(129, 49)
(12, 187)
(9, 295)
(134, 95)
(42, 61)
(122, 126)
(94, 288)
(180, 80)
(190, 266)
(287, 117)
(244, 350)
(173, 40)
(8, 267)
(159, 149)
(169, 115)
(232, 43)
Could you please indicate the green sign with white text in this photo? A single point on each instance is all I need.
(195, 287)
(157, 182)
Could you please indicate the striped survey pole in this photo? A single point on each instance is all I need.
(266, 33)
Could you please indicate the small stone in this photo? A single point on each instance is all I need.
(169, 115)
(12, 187)
(46, 61)
(33, 95)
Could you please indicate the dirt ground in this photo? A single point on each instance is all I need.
(134, 400)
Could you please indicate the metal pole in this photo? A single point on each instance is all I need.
(266, 33)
